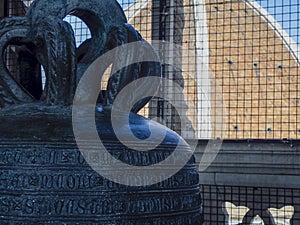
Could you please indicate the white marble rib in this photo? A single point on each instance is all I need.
(287, 40)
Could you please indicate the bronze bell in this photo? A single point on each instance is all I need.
(53, 170)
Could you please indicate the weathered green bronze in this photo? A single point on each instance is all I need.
(44, 178)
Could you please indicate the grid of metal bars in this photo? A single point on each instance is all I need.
(14, 8)
(17, 7)
(239, 62)
(81, 31)
(240, 65)
(250, 205)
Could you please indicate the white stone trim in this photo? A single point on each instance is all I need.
(27, 3)
(202, 71)
(287, 40)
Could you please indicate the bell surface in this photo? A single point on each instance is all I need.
(46, 180)
(62, 166)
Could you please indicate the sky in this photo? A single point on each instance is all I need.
(287, 14)
(125, 3)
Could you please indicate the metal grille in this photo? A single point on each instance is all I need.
(81, 31)
(250, 205)
(239, 63)
(17, 7)
(240, 67)
(13, 8)
(257, 69)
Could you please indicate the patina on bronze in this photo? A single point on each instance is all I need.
(44, 179)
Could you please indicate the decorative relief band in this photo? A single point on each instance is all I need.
(67, 180)
(42, 155)
(192, 218)
(97, 206)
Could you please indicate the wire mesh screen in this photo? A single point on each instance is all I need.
(238, 68)
(17, 7)
(250, 205)
(81, 31)
(256, 65)
(238, 65)
(14, 8)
